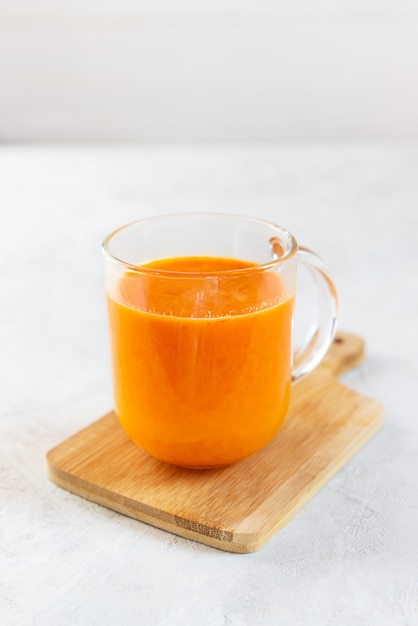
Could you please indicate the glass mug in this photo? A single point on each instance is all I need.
(200, 309)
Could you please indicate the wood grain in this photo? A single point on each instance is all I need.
(240, 507)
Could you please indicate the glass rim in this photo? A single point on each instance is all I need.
(257, 267)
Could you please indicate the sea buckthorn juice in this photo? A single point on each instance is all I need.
(201, 363)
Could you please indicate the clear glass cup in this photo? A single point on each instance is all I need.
(200, 309)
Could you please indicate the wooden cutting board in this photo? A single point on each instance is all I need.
(240, 507)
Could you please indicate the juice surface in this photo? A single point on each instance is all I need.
(201, 362)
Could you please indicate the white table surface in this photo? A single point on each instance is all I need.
(351, 555)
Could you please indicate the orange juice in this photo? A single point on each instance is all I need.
(201, 360)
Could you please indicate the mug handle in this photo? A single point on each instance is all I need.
(319, 339)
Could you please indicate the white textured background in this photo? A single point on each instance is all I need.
(168, 70)
(350, 556)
